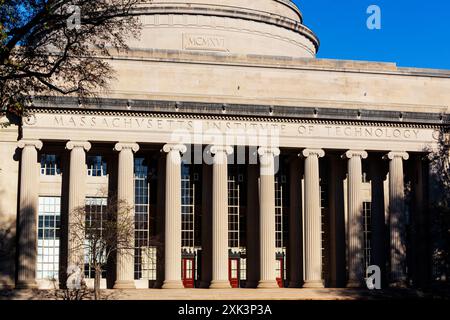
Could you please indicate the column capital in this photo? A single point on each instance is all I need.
(172, 147)
(311, 152)
(355, 153)
(396, 154)
(215, 149)
(126, 145)
(274, 151)
(30, 143)
(78, 144)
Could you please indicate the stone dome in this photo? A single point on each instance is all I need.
(256, 27)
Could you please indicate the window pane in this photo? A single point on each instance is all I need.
(48, 238)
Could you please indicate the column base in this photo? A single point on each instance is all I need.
(354, 284)
(313, 284)
(220, 284)
(124, 284)
(173, 284)
(28, 284)
(268, 284)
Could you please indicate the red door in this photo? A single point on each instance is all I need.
(280, 272)
(233, 271)
(188, 272)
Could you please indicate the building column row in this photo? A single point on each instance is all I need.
(312, 214)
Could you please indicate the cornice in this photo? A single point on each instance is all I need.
(228, 112)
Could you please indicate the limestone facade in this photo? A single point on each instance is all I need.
(235, 80)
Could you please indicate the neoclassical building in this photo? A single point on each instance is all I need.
(248, 162)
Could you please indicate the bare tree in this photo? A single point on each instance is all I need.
(440, 224)
(100, 233)
(57, 46)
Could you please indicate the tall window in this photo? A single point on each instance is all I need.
(50, 165)
(96, 166)
(187, 208)
(243, 269)
(234, 211)
(49, 224)
(145, 256)
(95, 215)
(367, 216)
(280, 211)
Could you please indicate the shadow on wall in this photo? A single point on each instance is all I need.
(7, 253)
(9, 257)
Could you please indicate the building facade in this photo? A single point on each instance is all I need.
(247, 161)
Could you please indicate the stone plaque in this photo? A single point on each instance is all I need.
(204, 42)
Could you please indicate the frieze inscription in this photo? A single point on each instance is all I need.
(186, 125)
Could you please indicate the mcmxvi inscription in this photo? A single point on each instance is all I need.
(204, 42)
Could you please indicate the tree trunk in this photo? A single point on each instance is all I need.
(98, 275)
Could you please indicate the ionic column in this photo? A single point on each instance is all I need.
(77, 200)
(267, 217)
(172, 260)
(29, 198)
(125, 215)
(397, 217)
(355, 218)
(220, 278)
(312, 220)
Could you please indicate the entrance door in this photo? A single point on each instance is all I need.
(188, 272)
(233, 270)
(280, 272)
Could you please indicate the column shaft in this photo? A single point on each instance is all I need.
(29, 198)
(312, 220)
(76, 202)
(220, 278)
(125, 216)
(172, 269)
(355, 219)
(267, 217)
(397, 218)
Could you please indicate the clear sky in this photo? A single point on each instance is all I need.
(413, 33)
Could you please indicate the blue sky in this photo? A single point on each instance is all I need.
(413, 33)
